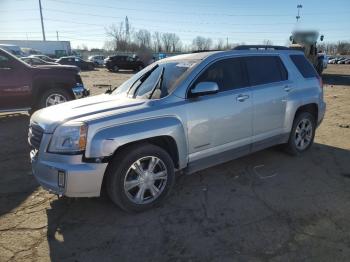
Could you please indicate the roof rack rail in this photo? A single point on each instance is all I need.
(206, 50)
(257, 47)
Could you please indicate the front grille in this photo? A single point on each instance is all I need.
(35, 135)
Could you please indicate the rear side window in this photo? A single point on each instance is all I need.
(228, 74)
(265, 69)
(304, 67)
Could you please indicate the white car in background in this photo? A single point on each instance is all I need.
(98, 60)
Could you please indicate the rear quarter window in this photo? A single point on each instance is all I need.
(265, 69)
(304, 66)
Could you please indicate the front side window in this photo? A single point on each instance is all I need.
(4, 61)
(265, 70)
(228, 74)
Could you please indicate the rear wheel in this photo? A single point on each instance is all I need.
(53, 96)
(140, 177)
(302, 135)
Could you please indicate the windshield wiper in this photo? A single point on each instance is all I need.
(158, 84)
(142, 79)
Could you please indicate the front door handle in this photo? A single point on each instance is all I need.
(242, 98)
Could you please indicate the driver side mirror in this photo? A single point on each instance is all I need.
(205, 88)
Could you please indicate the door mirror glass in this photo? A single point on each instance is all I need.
(205, 88)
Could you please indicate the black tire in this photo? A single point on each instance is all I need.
(292, 147)
(42, 99)
(115, 68)
(118, 169)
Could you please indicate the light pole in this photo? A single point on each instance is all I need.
(298, 16)
(42, 21)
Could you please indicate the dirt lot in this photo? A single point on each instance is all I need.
(268, 206)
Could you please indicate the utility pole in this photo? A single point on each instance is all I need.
(298, 16)
(58, 39)
(227, 42)
(42, 20)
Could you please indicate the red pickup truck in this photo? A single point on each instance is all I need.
(24, 87)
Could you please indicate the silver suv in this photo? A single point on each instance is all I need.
(184, 113)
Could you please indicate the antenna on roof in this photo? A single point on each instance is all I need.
(298, 15)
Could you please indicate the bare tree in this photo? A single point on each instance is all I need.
(220, 44)
(143, 38)
(120, 34)
(167, 41)
(175, 42)
(201, 43)
(343, 48)
(157, 41)
(109, 45)
(267, 42)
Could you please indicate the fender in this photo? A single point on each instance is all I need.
(297, 99)
(106, 141)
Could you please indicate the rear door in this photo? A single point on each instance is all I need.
(15, 84)
(269, 82)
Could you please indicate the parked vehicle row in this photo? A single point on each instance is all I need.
(76, 61)
(339, 60)
(27, 88)
(183, 113)
(117, 62)
(98, 60)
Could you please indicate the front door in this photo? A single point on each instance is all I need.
(15, 88)
(221, 122)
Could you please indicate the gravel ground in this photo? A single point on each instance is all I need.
(268, 206)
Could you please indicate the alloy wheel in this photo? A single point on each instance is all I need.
(55, 99)
(303, 134)
(145, 180)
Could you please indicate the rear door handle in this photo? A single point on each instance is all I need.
(242, 98)
(287, 88)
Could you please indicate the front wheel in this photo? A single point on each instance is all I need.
(302, 135)
(53, 96)
(140, 177)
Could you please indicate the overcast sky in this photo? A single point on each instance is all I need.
(249, 21)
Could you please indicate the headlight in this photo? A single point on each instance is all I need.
(69, 138)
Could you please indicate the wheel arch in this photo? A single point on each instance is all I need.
(165, 132)
(40, 85)
(311, 108)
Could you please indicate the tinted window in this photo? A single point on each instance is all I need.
(228, 74)
(304, 67)
(265, 69)
(4, 61)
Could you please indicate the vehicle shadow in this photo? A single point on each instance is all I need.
(250, 208)
(336, 79)
(16, 181)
